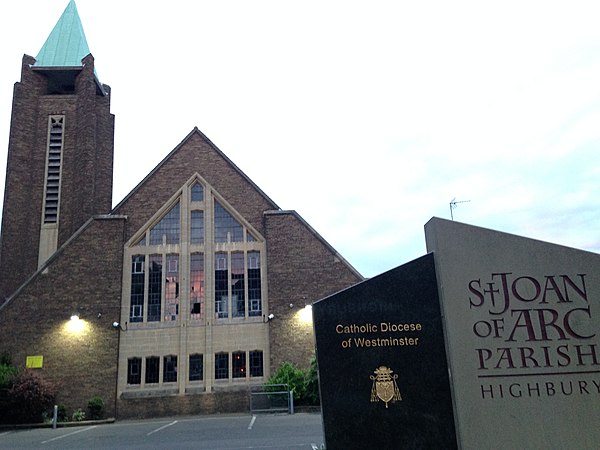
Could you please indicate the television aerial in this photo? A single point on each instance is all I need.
(454, 204)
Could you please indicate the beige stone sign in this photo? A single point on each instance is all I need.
(522, 328)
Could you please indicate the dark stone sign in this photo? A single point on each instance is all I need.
(383, 372)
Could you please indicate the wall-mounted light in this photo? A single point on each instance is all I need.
(118, 326)
(75, 325)
(305, 314)
(268, 318)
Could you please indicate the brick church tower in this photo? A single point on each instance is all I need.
(60, 152)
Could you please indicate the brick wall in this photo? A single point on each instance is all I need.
(83, 277)
(174, 405)
(86, 178)
(195, 154)
(302, 268)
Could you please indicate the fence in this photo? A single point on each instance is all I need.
(271, 398)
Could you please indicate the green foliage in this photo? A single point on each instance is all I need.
(61, 413)
(289, 374)
(312, 383)
(303, 384)
(78, 415)
(29, 397)
(7, 372)
(96, 407)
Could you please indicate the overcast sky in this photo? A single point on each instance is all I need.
(368, 118)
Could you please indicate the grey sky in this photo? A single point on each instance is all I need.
(367, 118)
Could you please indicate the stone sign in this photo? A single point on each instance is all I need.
(522, 321)
(383, 369)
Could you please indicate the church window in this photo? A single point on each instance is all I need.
(152, 369)
(256, 363)
(221, 286)
(172, 288)
(167, 231)
(53, 168)
(137, 289)
(227, 229)
(254, 284)
(197, 285)
(197, 192)
(134, 370)
(238, 288)
(239, 364)
(170, 369)
(221, 366)
(155, 278)
(197, 227)
(196, 367)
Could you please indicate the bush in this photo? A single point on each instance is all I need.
(7, 371)
(78, 415)
(312, 395)
(96, 407)
(304, 385)
(289, 374)
(29, 397)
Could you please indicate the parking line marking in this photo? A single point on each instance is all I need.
(252, 422)
(162, 428)
(69, 434)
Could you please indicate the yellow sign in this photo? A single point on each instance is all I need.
(34, 362)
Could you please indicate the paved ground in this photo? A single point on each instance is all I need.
(222, 432)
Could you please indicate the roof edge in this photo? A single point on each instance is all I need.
(172, 152)
(58, 252)
(291, 212)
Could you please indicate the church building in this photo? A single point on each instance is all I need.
(177, 300)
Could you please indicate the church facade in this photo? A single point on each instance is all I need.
(190, 290)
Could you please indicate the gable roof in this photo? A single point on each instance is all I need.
(197, 132)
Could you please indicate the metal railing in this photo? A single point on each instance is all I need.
(271, 398)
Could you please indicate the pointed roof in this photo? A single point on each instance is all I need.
(66, 46)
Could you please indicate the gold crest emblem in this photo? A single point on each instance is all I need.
(384, 386)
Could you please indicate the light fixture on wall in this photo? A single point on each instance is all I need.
(117, 326)
(268, 318)
(76, 324)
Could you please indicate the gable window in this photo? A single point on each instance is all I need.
(172, 288)
(155, 278)
(195, 264)
(137, 289)
(221, 286)
(254, 284)
(238, 287)
(197, 285)
(197, 192)
(197, 227)
(227, 229)
(167, 231)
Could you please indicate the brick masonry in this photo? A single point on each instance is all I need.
(81, 278)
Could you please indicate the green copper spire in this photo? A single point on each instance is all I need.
(66, 46)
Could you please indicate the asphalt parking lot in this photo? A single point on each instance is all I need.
(221, 432)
